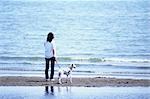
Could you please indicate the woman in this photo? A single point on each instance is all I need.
(49, 56)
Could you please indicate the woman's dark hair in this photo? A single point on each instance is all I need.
(50, 36)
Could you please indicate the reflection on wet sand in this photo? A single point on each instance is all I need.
(59, 89)
(47, 90)
(69, 92)
(67, 89)
(61, 92)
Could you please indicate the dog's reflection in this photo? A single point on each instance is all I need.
(51, 90)
(66, 89)
(60, 90)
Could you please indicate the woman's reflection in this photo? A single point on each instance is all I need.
(51, 90)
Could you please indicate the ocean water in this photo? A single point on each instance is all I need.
(104, 38)
(53, 92)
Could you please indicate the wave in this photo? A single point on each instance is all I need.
(35, 60)
(89, 59)
(39, 70)
(128, 60)
(20, 58)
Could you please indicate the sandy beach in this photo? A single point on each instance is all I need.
(83, 82)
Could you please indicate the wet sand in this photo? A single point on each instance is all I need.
(69, 92)
(82, 82)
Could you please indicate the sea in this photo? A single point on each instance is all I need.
(104, 38)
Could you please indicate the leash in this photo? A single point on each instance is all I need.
(58, 65)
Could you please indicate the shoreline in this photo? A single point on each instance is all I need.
(77, 82)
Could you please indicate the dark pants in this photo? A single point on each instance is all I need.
(47, 67)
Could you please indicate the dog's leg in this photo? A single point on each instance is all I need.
(70, 78)
(59, 78)
(66, 78)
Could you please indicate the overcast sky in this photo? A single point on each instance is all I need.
(79, 0)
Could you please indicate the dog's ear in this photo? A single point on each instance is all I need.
(71, 65)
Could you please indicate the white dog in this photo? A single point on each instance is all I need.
(67, 72)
